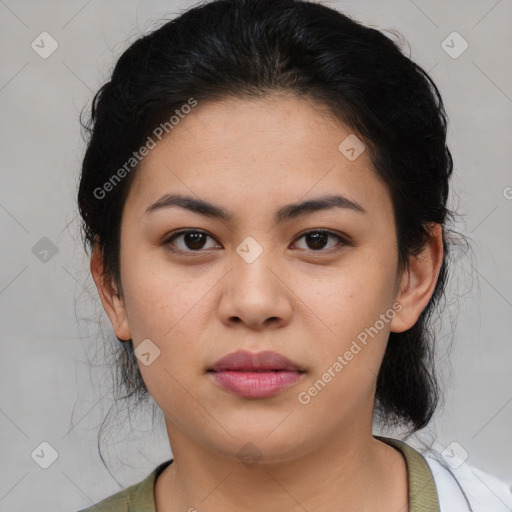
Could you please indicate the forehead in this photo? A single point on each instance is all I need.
(266, 151)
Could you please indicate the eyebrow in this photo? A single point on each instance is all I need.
(287, 212)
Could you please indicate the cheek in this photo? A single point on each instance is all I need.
(354, 309)
(160, 297)
(172, 310)
(351, 297)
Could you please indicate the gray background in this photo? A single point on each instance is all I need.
(49, 311)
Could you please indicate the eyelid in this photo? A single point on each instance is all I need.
(175, 234)
(343, 239)
(342, 236)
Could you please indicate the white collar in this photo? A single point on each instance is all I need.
(466, 488)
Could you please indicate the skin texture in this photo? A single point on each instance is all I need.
(305, 301)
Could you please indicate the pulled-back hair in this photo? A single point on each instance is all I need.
(250, 49)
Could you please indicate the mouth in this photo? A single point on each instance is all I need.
(255, 370)
(243, 360)
(255, 375)
(256, 384)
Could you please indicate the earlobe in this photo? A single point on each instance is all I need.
(110, 298)
(419, 281)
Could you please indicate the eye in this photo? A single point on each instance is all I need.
(317, 239)
(193, 240)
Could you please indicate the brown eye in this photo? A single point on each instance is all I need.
(318, 239)
(192, 240)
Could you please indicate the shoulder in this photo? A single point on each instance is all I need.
(120, 502)
(464, 487)
(137, 497)
(460, 487)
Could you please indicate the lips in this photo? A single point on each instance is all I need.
(259, 375)
(243, 360)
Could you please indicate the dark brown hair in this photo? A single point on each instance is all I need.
(244, 48)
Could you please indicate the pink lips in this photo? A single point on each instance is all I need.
(255, 375)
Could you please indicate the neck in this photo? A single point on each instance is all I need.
(364, 474)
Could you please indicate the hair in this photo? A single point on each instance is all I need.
(250, 49)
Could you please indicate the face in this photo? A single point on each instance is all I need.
(258, 272)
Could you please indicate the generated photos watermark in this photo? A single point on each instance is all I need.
(133, 161)
(304, 397)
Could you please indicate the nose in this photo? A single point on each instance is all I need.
(256, 294)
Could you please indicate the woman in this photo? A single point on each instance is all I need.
(264, 195)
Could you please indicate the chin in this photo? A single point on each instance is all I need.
(252, 447)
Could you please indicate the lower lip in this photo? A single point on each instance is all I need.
(256, 384)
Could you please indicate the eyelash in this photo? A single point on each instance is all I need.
(167, 242)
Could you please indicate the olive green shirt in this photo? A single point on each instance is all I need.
(422, 489)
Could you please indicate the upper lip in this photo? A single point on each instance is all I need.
(242, 360)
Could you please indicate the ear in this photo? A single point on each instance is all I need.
(419, 281)
(109, 295)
